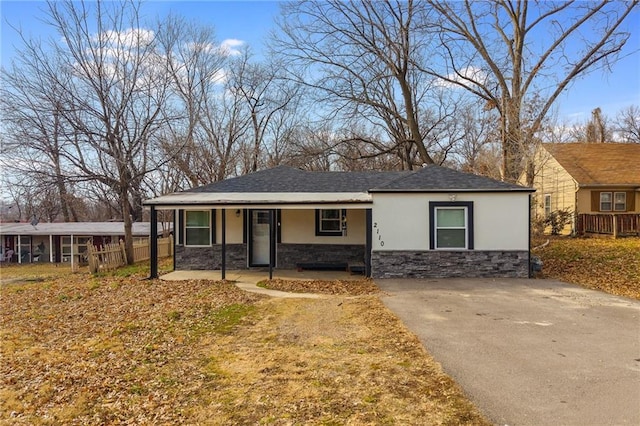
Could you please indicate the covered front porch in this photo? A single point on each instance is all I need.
(274, 233)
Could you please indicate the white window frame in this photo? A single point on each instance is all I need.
(465, 227)
(547, 205)
(186, 226)
(610, 202)
(616, 204)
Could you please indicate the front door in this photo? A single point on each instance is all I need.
(259, 238)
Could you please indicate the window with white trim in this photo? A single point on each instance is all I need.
(605, 201)
(620, 201)
(197, 228)
(451, 225)
(547, 205)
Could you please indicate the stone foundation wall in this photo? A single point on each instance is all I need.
(290, 254)
(210, 258)
(450, 264)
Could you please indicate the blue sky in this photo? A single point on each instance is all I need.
(251, 22)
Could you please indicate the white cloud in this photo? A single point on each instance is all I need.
(128, 38)
(220, 76)
(472, 73)
(231, 46)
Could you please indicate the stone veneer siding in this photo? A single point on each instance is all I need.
(450, 264)
(210, 258)
(290, 254)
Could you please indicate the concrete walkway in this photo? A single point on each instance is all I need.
(248, 279)
(529, 352)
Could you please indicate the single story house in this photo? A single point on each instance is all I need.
(432, 222)
(589, 179)
(60, 241)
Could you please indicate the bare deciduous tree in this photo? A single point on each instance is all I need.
(627, 124)
(106, 86)
(505, 51)
(363, 60)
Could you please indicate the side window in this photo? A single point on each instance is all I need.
(605, 201)
(329, 222)
(451, 225)
(197, 228)
(620, 201)
(547, 205)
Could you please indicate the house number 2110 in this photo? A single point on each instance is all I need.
(380, 240)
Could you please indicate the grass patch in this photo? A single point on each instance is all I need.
(606, 264)
(224, 320)
(105, 350)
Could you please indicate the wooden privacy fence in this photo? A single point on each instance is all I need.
(112, 256)
(618, 225)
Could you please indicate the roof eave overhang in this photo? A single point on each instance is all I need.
(635, 186)
(261, 200)
(439, 191)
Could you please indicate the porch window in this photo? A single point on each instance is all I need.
(197, 228)
(605, 201)
(329, 222)
(620, 201)
(451, 225)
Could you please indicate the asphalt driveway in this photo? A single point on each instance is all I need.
(529, 352)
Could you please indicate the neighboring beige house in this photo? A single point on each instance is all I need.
(587, 178)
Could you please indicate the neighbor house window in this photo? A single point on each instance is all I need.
(451, 225)
(79, 246)
(620, 201)
(330, 221)
(547, 205)
(197, 228)
(605, 201)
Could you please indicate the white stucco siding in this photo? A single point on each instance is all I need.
(401, 221)
(299, 227)
(234, 226)
(501, 221)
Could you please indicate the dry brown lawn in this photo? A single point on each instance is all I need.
(605, 264)
(78, 349)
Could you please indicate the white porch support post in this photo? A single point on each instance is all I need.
(50, 248)
(19, 251)
(223, 260)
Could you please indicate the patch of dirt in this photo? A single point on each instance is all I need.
(333, 287)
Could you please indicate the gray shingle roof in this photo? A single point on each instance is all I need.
(288, 179)
(436, 178)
